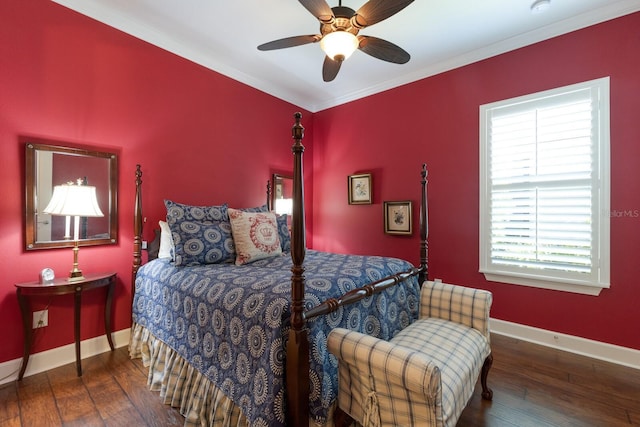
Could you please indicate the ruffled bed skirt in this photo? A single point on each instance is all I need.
(182, 386)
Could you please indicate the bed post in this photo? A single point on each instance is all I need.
(297, 365)
(137, 231)
(424, 229)
(269, 207)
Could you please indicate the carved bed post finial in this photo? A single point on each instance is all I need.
(298, 130)
(424, 228)
(297, 365)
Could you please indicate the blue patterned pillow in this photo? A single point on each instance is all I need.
(198, 243)
(262, 208)
(201, 234)
(180, 212)
(283, 233)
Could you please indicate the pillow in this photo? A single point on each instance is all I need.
(166, 241)
(199, 243)
(180, 212)
(200, 234)
(255, 235)
(283, 233)
(263, 208)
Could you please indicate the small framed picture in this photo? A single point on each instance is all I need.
(359, 187)
(397, 217)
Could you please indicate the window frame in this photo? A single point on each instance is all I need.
(546, 278)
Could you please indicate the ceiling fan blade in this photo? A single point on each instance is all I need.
(330, 69)
(375, 11)
(320, 9)
(383, 49)
(289, 42)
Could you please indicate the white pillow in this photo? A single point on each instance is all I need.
(255, 235)
(166, 241)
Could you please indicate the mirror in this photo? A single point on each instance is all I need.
(282, 194)
(49, 165)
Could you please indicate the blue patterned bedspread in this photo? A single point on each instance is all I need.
(231, 322)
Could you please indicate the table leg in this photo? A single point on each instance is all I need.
(76, 322)
(27, 332)
(107, 312)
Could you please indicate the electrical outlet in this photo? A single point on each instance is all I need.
(144, 244)
(40, 318)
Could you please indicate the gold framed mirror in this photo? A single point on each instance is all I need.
(48, 165)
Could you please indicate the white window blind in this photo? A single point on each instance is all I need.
(544, 188)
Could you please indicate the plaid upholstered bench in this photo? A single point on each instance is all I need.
(426, 374)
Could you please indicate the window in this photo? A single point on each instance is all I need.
(544, 189)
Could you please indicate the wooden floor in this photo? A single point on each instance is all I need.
(532, 386)
(538, 386)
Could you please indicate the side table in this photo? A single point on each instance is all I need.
(63, 286)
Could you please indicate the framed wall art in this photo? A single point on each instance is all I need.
(359, 187)
(397, 217)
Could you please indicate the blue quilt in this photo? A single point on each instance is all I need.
(231, 322)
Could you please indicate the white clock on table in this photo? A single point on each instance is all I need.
(47, 275)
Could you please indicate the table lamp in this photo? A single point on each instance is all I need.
(74, 200)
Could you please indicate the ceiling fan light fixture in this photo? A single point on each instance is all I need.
(540, 6)
(339, 45)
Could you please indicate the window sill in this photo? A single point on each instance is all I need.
(577, 288)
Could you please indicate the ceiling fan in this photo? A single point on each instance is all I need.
(339, 27)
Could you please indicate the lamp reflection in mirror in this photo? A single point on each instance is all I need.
(284, 206)
(74, 201)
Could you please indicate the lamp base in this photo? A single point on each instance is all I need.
(75, 276)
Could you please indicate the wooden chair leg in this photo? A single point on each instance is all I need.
(487, 393)
(341, 418)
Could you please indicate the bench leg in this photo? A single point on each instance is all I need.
(341, 418)
(487, 393)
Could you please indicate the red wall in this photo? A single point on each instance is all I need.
(436, 120)
(200, 137)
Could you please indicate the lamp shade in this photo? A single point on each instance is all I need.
(284, 206)
(339, 45)
(74, 200)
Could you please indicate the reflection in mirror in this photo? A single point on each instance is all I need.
(282, 194)
(50, 165)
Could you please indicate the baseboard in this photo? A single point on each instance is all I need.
(595, 349)
(45, 360)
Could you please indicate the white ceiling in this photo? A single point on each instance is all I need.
(439, 34)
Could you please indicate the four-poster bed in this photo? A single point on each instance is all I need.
(381, 298)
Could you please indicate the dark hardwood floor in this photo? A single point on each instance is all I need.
(539, 386)
(532, 386)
